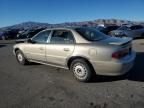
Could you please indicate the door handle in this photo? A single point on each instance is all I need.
(66, 49)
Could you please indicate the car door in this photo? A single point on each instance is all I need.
(35, 50)
(60, 47)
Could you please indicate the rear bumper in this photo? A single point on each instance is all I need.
(114, 68)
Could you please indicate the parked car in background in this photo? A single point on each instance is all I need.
(107, 29)
(26, 34)
(101, 28)
(134, 31)
(85, 51)
(8, 34)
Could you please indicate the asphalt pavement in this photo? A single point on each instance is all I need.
(40, 86)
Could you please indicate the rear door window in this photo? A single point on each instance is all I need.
(62, 37)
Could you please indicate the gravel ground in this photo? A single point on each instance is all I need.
(40, 86)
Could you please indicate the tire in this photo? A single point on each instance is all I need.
(82, 70)
(21, 58)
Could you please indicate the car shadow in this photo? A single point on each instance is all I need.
(102, 78)
(33, 63)
(138, 38)
(135, 74)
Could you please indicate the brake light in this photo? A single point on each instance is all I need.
(120, 54)
(116, 55)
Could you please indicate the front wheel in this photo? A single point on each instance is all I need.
(81, 70)
(20, 58)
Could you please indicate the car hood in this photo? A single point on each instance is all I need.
(116, 40)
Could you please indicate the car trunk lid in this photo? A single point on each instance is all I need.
(116, 41)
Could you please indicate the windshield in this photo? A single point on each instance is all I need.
(91, 34)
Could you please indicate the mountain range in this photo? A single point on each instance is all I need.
(27, 25)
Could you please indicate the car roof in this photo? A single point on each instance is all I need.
(66, 28)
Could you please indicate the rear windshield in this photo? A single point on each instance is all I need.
(91, 34)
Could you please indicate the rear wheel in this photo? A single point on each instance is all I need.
(20, 58)
(81, 70)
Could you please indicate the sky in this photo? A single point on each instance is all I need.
(59, 11)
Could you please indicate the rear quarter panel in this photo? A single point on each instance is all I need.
(94, 52)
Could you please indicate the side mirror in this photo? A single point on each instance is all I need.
(29, 41)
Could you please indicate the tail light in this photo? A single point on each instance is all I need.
(121, 53)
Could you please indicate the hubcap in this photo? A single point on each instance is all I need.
(20, 57)
(80, 71)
